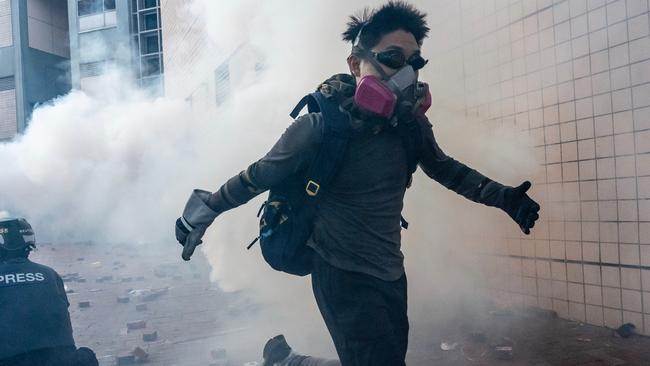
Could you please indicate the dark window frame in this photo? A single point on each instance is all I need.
(151, 68)
(142, 19)
(144, 45)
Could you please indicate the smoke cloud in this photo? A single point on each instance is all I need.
(117, 166)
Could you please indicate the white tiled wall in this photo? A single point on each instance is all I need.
(186, 48)
(574, 76)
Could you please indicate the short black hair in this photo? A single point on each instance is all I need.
(395, 15)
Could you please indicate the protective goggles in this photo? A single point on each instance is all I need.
(395, 59)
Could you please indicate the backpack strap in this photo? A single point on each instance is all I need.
(308, 100)
(411, 135)
(335, 136)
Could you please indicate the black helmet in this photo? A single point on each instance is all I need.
(16, 234)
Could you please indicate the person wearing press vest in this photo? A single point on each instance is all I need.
(371, 125)
(35, 328)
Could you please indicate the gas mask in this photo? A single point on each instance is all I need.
(394, 97)
(397, 96)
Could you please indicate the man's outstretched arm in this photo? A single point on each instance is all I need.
(288, 156)
(474, 186)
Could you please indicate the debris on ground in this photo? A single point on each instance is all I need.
(141, 307)
(140, 354)
(138, 324)
(149, 294)
(626, 330)
(125, 359)
(69, 277)
(84, 304)
(585, 340)
(150, 337)
(446, 346)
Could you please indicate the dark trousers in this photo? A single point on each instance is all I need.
(56, 356)
(365, 316)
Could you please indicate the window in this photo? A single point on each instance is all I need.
(88, 7)
(151, 65)
(146, 4)
(94, 14)
(149, 43)
(149, 21)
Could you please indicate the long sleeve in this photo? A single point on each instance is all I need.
(455, 175)
(291, 153)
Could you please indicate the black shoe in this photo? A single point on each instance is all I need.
(276, 350)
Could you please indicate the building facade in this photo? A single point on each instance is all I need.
(34, 59)
(125, 34)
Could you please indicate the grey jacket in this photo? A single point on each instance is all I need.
(357, 226)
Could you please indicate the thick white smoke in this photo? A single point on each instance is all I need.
(118, 167)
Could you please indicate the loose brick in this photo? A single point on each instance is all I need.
(138, 324)
(150, 336)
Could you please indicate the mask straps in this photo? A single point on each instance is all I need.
(368, 56)
(360, 51)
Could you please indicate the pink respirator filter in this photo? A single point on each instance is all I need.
(375, 97)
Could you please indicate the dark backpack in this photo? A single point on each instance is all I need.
(287, 216)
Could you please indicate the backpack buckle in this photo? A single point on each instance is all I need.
(312, 188)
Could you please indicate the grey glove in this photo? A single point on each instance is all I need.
(195, 220)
